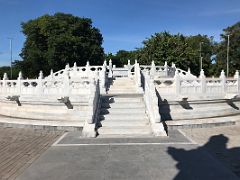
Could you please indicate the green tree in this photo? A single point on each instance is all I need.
(7, 69)
(182, 50)
(234, 49)
(121, 57)
(53, 41)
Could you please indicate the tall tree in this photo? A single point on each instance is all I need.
(182, 50)
(234, 49)
(53, 41)
(121, 57)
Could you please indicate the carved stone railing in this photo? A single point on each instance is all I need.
(65, 86)
(186, 86)
(151, 102)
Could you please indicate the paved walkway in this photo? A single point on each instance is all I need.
(20, 147)
(205, 153)
(175, 157)
(222, 143)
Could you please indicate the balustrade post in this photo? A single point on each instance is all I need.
(138, 73)
(40, 84)
(236, 76)
(88, 68)
(74, 72)
(19, 83)
(129, 68)
(102, 77)
(153, 69)
(203, 81)
(51, 74)
(223, 81)
(66, 83)
(110, 73)
(173, 70)
(177, 83)
(166, 68)
(91, 101)
(5, 78)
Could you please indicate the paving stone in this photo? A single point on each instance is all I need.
(20, 147)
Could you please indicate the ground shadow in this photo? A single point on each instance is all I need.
(211, 161)
(185, 104)
(230, 102)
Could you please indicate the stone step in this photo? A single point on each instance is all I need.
(122, 87)
(121, 111)
(119, 117)
(125, 130)
(121, 91)
(200, 123)
(124, 123)
(122, 100)
(130, 105)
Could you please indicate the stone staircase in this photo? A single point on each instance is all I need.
(123, 111)
(123, 85)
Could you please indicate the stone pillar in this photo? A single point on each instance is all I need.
(166, 68)
(91, 101)
(129, 68)
(138, 74)
(153, 69)
(66, 83)
(177, 83)
(110, 73)
(223, 81)
(203, 81)
(5, 78)
(236, 76)
(19, 83)
(87, 68)
(172, 71)
(40, 84)
(103, 79)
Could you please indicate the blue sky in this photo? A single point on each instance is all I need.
(123, 23)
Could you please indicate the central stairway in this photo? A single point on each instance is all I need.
(123, 111)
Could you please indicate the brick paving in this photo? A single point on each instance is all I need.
(20, 147)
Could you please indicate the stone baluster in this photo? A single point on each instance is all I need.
(19, 83)
(236, 76)
(129, 68)
(87, 68)
(223, 81)
(105, 63)
(203, 81)
(138, 75)
(39, 84)
(177, 83)
(103, 79)
(166, 69)
(51, 74)
(66, 83)
(5, 78)
(91, 101)
(173, 70)
(110, 73)
(153, 69)
(74, 73)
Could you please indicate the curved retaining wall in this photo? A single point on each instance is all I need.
(45, 111)
(187, 110)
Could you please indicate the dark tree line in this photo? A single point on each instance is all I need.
(53, 41)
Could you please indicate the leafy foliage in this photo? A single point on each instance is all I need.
(53, 41)
(184, 51)
(121, 57)
(234, 49)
